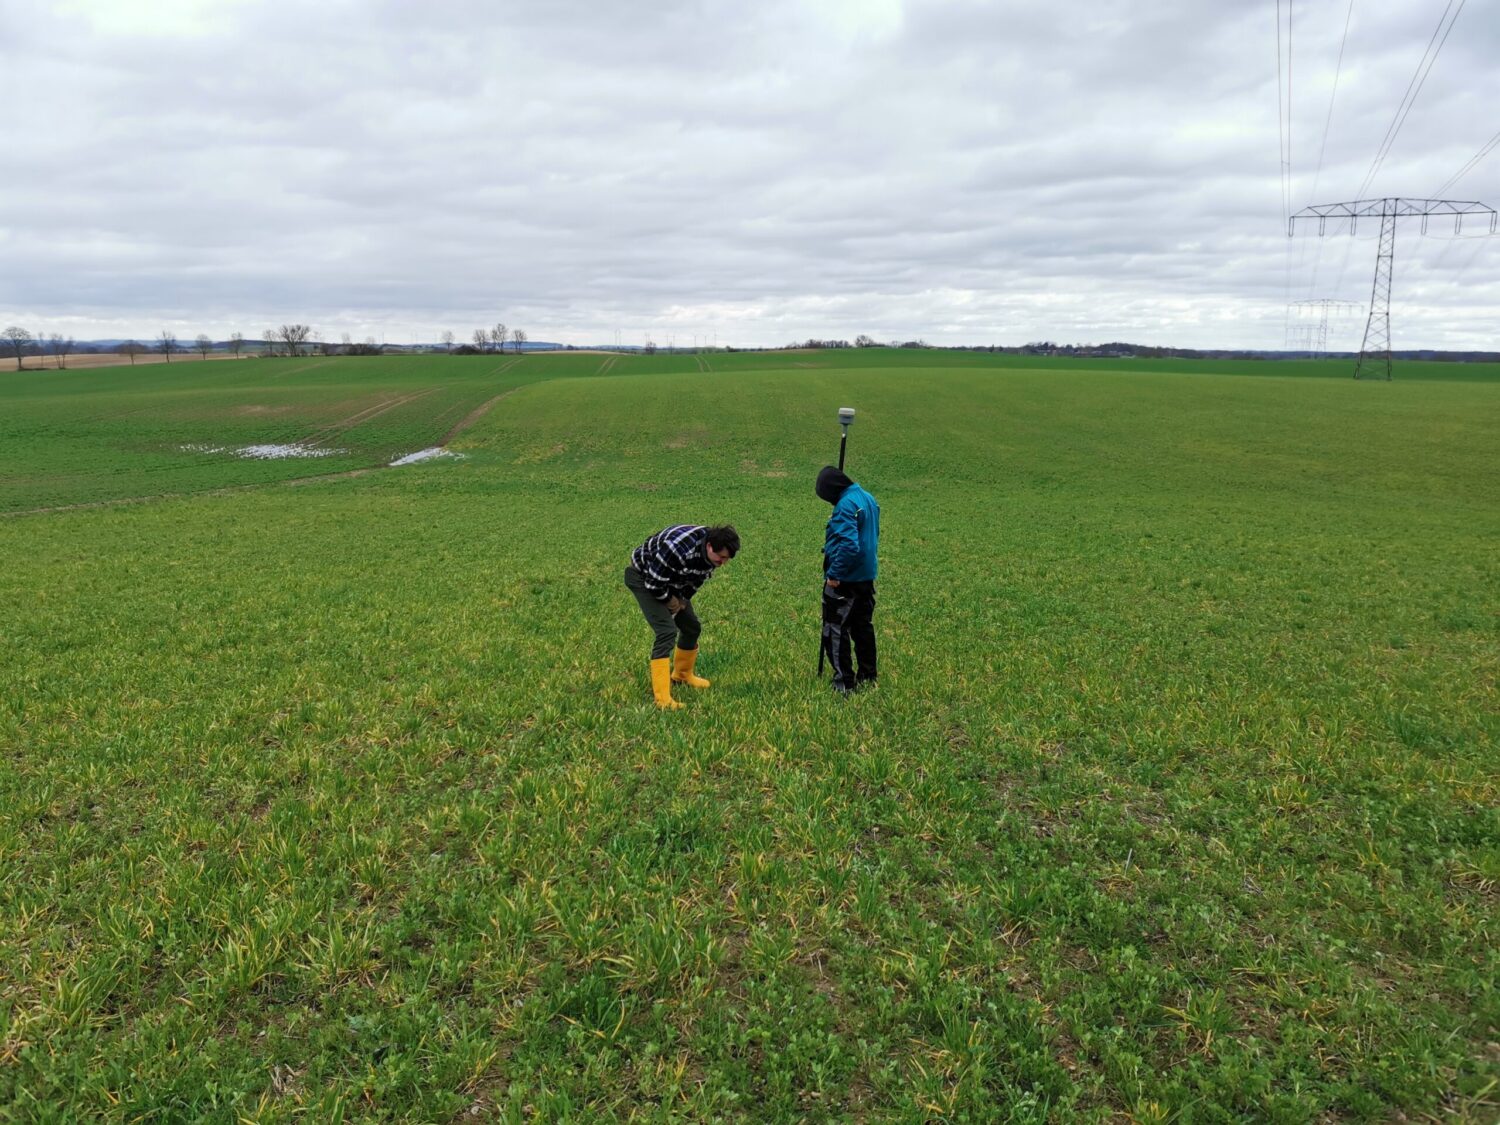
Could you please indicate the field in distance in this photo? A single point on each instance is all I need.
(1177, 798)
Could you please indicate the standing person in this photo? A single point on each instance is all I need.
(664, 573)
(849, 566)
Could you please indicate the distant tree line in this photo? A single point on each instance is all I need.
(860, 341)
(487, 340)
(21, 343)
(287, 340)
(298, 339)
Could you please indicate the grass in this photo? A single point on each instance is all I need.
(1176, 802)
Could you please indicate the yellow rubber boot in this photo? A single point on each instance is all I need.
(683, 660)
(661, 684)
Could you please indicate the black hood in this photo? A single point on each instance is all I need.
(831, 484)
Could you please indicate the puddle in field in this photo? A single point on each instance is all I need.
(424, 455)
(278, 452)
(265, 452)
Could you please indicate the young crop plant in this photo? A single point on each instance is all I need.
(349, 801)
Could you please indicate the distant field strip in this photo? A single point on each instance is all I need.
(74, 438)
(278, 369)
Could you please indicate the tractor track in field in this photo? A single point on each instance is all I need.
(474, 415)
(291, 482)
(369, 413)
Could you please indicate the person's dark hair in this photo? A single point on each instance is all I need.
(724, 538)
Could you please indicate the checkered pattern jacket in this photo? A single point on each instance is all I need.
(673, 563)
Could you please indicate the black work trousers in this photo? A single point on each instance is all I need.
(848, 623)
(681, 630)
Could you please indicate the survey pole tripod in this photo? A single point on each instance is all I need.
(846, 419)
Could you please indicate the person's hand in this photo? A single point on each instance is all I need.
(833, 582)
(676, 605)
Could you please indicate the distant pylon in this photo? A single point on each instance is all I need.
(1374, 360)
(1317, 335)
(1302, 338)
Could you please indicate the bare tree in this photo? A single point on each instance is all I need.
(520, 339)
(236, 343)
(497, 334)
(204, 345)
(447, 341)
(18, 339)
(481, 339)
(294, 336)
(61, 347)
(132, 348)
(268, 338)
(650, 348)
(167, 343)
(863, 341)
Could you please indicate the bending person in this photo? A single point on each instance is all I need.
(664, 573)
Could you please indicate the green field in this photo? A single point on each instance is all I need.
(347, 801)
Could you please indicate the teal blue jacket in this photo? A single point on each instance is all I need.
(853, 537)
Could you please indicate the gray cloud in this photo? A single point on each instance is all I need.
(964, 171)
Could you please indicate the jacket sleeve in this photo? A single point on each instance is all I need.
(842, 544)
(656, 575)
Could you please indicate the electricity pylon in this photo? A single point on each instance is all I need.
(1301, 338)
(1316, 336)
(1375, 352)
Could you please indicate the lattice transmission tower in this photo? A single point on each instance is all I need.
(1314, 337)
(1302, 338)
(1374, 360)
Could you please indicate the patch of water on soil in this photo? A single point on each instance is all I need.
(424, 455)
(265, 452)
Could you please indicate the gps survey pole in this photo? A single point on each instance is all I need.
(846, 419)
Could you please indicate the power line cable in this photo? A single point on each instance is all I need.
(1328, 121)
(1288, 107)
(1413, 88)
(1338, 69)
(1284, 133)
(1469, 261)
(1469, 167)
(1283, 95)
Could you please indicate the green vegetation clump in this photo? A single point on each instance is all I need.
(348, 801)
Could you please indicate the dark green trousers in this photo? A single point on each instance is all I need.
(680, 631)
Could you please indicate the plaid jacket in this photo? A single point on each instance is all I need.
(673, 562)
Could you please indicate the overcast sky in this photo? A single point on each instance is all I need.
(747, 173)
